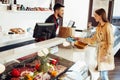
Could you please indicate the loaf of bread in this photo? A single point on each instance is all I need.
(80, 45)
(17, 30)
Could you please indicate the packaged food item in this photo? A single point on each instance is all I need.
(65, 32)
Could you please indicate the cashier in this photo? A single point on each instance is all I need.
(54, 18)
(104, 39)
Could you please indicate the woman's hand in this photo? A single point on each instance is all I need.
(81, 39)
(76, 38)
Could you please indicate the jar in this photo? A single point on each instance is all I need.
(5, 1)
(14, 7)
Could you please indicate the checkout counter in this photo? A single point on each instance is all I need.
(84, 59)
(17, 50)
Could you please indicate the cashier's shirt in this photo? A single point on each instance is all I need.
(52, 19)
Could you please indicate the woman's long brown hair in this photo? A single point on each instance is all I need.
(101, 12)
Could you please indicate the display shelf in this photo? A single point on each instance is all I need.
(9, 39)
(12, 65)
(24, 50)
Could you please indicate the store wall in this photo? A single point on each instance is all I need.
(100, 4)
(116, 11)
(23, 19)
(94, 5)
(35, 3)
(76, 10)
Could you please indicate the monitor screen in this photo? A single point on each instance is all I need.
(44, 31)
(71, 23)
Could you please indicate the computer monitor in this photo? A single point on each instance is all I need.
(71, 23)
(44, 31)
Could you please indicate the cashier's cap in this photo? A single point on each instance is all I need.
(57, 6)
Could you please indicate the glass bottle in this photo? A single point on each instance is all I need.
(50, 6)
(15, 1)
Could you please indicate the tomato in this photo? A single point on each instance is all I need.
(15, 73)
(54, 61)
(37, 66)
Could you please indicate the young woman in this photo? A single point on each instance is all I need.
(104, 38)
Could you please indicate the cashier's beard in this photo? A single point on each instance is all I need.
(60, 15)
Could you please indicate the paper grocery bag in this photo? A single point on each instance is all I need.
(65, 32)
